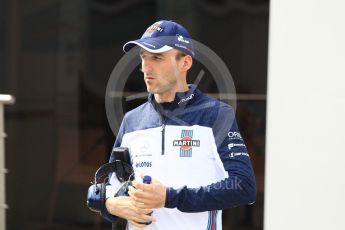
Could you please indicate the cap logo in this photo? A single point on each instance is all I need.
(180, 38)
(154, 27)
(148, 44)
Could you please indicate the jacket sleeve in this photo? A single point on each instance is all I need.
(113, 184)
(239, 188)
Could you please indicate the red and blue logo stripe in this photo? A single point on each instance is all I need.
(212, 220)
(186, 151)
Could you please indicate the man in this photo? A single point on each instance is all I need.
(187, 142)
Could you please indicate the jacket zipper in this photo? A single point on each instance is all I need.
(163, 134)
(163, 121)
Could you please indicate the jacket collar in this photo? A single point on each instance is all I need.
(181, 98)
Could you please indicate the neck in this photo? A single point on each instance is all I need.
(169, 96)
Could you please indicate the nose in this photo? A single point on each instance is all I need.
(146, 66)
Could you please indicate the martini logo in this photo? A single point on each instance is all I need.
(186, 143)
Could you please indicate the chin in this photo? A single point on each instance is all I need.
(151, 89)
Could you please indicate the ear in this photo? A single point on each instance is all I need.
(187, 63)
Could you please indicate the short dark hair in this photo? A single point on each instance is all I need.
(180, 54)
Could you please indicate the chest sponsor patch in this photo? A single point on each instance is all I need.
(186, 143)
(231, 145)
(144, 164)
(234, 135)
(232, 155)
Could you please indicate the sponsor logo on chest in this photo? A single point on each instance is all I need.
(186, 143)
(143, 164)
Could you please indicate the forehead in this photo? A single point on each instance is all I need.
(166, 53)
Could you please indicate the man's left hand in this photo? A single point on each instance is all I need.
(148, 196)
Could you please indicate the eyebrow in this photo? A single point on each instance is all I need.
(155, 54)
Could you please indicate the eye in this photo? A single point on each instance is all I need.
(156, 58)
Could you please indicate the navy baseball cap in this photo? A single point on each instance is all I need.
(163, 36)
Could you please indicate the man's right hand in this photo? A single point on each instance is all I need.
(123, 206)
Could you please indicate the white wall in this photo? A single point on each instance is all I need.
(305, 148)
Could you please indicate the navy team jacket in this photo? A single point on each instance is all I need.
(194, 147)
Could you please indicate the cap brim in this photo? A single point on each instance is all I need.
(149, 45)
